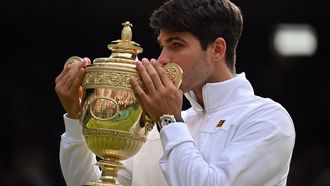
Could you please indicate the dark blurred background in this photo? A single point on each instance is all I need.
(38, 36)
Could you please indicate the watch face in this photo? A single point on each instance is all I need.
(165, 120)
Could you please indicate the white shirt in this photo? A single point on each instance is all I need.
(253, 146)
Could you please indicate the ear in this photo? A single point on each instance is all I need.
(219, 49)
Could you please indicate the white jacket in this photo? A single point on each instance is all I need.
(252, 147)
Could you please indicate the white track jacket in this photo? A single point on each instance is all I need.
(237, 139)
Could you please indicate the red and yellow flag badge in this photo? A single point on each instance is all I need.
(220, 123)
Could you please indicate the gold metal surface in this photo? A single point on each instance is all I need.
(115, 125)
(71, 60)
(175, 73)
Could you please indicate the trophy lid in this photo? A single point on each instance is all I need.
(124, 50)
(115, 71)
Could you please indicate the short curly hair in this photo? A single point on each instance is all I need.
(205, 19)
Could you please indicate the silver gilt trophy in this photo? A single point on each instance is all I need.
(115, 125)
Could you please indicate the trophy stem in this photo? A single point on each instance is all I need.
(109, 167)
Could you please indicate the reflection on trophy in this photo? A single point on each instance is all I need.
(115, 125)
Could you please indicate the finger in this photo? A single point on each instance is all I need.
(147, 81)
(78, 77)
(61, 82)
(63, 86)
(77, 73)
(73, 78)
(138, 90)
(153, 73)
(67, 65)
(62, 74)
(166, 81)
(83, 64)
(77, 82)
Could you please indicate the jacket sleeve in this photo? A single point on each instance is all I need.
(259, 153)
(77, 161)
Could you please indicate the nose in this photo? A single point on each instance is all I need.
(164, 57)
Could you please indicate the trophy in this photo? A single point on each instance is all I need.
(114, 123)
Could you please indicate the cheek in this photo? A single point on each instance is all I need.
(195, 75)
(195, 70)
(188, 60)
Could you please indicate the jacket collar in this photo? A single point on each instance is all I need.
(221, 94)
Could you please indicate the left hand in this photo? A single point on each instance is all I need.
(160, 95)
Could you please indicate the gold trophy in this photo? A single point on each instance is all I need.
(115, 125)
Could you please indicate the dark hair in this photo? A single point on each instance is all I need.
(205, 19)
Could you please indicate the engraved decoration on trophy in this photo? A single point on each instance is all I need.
(115, 125)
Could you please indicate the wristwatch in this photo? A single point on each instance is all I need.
(166, 120)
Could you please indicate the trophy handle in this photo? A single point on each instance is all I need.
(146, 122)
(72, 60)
(175, 73)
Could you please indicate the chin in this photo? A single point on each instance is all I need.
(183, 89)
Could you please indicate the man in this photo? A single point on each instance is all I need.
(228, 137)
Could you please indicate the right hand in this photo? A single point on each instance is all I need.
(69, 87)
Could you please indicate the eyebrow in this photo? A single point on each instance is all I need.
(170, 39)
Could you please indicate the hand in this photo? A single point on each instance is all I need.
(160, 95)
(68, 87)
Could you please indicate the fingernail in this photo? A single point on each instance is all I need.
(145, 60)
(85, 61)
(153, 60)
(138, 64)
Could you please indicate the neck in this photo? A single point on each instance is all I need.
(199, 91)
(199, 96)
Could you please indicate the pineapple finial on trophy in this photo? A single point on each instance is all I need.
(125, 48)
(126, 33)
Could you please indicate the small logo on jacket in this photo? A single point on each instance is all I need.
(220, 123)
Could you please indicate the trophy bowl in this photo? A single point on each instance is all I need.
(114, 123)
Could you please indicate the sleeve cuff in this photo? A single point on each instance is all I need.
(73, 128)
(175, 134)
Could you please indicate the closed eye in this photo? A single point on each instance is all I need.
(177, 45)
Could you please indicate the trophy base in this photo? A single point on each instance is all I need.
(100, 183)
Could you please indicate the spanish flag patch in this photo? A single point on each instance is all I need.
(220, 123)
